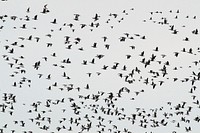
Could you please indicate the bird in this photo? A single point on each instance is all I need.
(35, 17)
(54, 21)
(105, 67)
(96, 17)
(76, 17)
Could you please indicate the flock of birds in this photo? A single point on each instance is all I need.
(83, 107)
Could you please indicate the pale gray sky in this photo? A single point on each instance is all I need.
(149, 24)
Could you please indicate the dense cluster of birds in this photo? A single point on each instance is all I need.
(83, 107)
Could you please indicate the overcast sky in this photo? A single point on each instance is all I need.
(150, 28)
